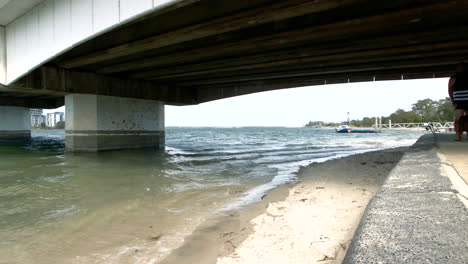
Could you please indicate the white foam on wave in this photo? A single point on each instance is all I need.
(287, 171)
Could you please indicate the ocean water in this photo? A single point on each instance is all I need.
(137, 206)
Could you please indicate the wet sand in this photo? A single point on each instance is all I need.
(310, 221)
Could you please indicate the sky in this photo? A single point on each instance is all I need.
(296, 106)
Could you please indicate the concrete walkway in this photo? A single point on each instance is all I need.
(455, 152)
(418, 216)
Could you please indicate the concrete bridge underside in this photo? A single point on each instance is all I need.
(192, 51)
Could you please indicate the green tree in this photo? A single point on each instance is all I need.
(427, 109)
(445, 110)
(60, 125)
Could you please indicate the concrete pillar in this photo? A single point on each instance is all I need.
(15, 122)
(98, 123)
(2, 55)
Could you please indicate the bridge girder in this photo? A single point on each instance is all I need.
(209, 50)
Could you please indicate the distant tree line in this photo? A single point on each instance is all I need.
(60, 125)
(321, 124)
(426, 110)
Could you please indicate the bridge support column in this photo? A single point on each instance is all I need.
(15, 122)
(99, 123)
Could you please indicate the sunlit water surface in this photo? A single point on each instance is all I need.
(137, 206)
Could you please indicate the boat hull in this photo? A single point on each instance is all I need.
(356, 131)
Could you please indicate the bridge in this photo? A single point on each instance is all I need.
(435, 125)
(116, 63)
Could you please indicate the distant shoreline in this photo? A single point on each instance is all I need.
(383, 129)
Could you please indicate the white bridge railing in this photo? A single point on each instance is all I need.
(447, 125)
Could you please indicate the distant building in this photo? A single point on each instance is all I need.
(37, 118)
(35, 111)
(53, 118)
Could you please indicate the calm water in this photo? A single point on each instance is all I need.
(137, 206)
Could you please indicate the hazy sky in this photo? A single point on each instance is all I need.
(297, 106)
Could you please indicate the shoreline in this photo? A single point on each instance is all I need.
(312, 219)
(158, 208)
(422, 129)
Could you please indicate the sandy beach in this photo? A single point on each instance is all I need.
(310, 221)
